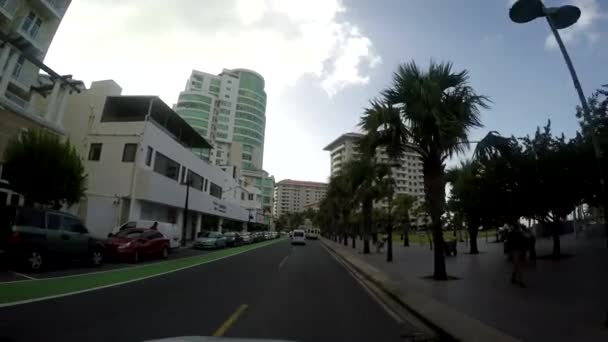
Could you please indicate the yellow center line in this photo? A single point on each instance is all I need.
(230, 321)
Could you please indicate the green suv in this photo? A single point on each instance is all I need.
(32, 237)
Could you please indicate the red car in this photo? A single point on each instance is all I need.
(135, 244)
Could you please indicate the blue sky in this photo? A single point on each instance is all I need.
(324, 60)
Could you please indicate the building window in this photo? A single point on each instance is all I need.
(95, 152)
(251, 197)
(128, 153)
(149, 156)
(215, 190)
(196, 181)
(18, 66)
(242, 196)
(166, 166)
(205, 187)
(31, 24)
(218, 153)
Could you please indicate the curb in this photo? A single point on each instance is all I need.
(448, 323)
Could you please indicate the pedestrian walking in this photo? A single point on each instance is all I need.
(517, 249)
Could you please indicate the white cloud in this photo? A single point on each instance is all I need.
(151, 46)
(584, 28)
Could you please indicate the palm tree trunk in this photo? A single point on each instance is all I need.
(433, 179)
(557, 250)
(473, 239)
(406, 233)
(389, 243)
(367, 223)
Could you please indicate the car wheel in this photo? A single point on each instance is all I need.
(34, 261)
(135, 259)
(165, 252)
(96, 257)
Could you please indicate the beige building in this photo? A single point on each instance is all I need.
(29, 99)
(292, 196)
(407, 172)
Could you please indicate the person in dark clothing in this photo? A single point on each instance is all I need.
(517, 248)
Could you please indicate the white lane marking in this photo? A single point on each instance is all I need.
(283, 261)
(366, 287)
(27, 301)
(21, 275)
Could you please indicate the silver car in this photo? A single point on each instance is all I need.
(210, 240)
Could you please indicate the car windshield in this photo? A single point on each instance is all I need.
(298, 234)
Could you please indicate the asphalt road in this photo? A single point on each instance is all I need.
(296, 293)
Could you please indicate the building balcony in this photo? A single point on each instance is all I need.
(8, 9)
(52, 9)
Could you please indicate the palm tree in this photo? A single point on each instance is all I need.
(431, 113)
(369, 180)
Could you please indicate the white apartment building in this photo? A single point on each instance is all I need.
(408, 176)
(29, 99)
(341, 151)
(139, 157)
(292, 196)
(229, 110)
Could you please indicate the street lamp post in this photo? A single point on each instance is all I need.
(185, 222)
(524, 11)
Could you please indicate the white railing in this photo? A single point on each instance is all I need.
(57, 5)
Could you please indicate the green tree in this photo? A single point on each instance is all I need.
(431, 113)
(370, 181)
(44, 170)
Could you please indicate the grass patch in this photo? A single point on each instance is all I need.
(31, 289)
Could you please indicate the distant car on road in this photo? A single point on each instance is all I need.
(312, 233)
(136, 244)
(32, 237)
(210, 240)
(298, 237)
(233, 239)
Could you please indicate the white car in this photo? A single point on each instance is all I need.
(298, 237)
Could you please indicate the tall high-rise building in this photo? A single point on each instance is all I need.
(28, 99)
(229, 110)
(293, 196)
(27, 28)
(407, 172)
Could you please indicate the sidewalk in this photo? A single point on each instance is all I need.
(563, 301)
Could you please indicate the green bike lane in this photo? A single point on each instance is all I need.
(26, 291)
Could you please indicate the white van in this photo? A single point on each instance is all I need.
(298, 237)
(170, 231)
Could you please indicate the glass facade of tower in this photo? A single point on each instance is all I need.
(250, 119)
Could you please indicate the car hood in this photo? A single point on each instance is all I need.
(118, 241)
(203, 240)
(211, 339)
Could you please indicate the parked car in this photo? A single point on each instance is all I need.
(171, 231)
(246, 236)
(267, 236)
(210, 240)
(258, 236)
(136, 244)
(274, 235)
(298, 237)
(233, 239)
(33, 237)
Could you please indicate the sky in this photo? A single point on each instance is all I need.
(323, 60)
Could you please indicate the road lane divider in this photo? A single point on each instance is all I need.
(230, 321)
(27, 291)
